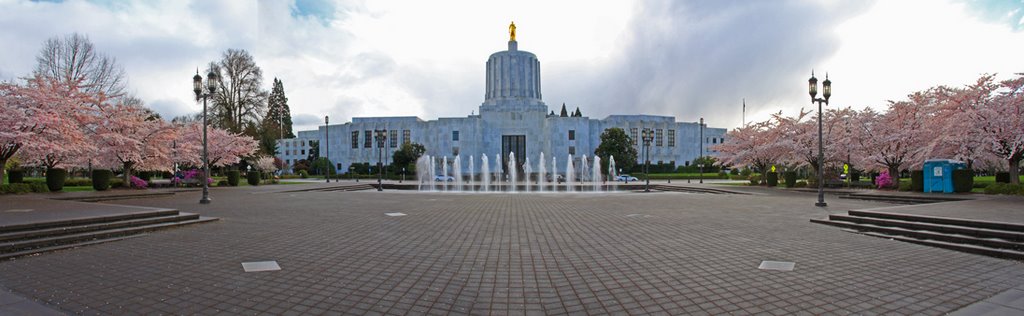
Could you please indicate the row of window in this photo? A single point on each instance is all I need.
(392, 138)
(294, 152)
(658, 137)
(295, 143)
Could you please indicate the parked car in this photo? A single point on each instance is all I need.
(559, 178)
(626, 177)
(444, 178)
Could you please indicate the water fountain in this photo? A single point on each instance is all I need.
(570, 174)
(528, 170)
(457, 165)
(498, 172)
(485, 176)
(611, 169)
(472, 173)
(541, 174)
(444, 173)
(584, 171)
(512, 171)
(554, 174)
(433, 174)
(595, 178)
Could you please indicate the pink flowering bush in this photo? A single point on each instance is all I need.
(190, 177)
(884, 180)
(138, 183)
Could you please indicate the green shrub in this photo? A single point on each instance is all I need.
(855, 176)
(55, 179)
(15, 175)
(745, 172)
(790, 178)
(116, 183)
(303, 174)
(773, 179)
(734, 172)
(15, 188)
(1003, 177)
(979, 185)
(1004, 188)
(906, 186)
(253, 177)
(145, 175)
(754, 180)
(916, 181)
(77, 182)
(224, 183)
(963, 180)
(801, 184)
(101, 179)
(233, 177)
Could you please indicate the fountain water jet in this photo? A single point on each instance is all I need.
(512, 171)
(500, 174)
(570, 174)
(457, 165)
(527, 170)
(596, 177)
(485, 175)
(541, 174)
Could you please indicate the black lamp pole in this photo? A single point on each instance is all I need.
(812, 87)
(701, 151)
(647, 135)
(327, 148)
(211, 88)
(381, 135)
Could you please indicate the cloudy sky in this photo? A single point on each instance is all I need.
(689, 59)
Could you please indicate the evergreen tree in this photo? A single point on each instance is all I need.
(279, 116)
(615, 142)
(578, 113)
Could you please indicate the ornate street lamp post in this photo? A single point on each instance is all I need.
(701, 151)
(380, 135)
(327, 148)
(211, 89)
(647, 135)
(812, 89)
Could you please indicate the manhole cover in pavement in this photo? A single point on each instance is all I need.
(260, 266)
(777, 265)
(394, 214)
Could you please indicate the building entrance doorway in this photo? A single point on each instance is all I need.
(513, 144)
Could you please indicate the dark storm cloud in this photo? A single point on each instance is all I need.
(700, 58)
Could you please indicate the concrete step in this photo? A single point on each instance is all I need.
(940, 228)
(981, 250)
(113, 197)
(903, 199)
(925, 234)
(36, 245)
(75, 229)
(1014, 227)
(85, 220)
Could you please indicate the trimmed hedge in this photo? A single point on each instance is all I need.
(15, 175)
(855, 176)
(253, 177)
(20, 188)
(963, 180)
(1004, 188)
(55, 179)
(790, 177)
(233, 177)
(1002, 177)
(773, 179)
(101, 179)
(917, 180)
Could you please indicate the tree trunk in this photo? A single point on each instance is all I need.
(3, 164)
(894, 173)
(127, 174)
(1015, 170)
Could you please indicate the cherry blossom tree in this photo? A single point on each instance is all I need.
(64, 114)
(1001, 124)
(17, 122)
(224, 148)
(130, 138)
(893, 140)
(757, 144)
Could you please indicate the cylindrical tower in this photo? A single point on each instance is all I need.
(512, 75)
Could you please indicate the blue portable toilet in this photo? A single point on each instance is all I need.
(938, 174)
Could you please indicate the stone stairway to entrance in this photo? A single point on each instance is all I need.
(990, 238)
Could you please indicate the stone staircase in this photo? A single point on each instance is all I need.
(32, 238)
(996, 239)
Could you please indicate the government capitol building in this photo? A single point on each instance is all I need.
(512, 119)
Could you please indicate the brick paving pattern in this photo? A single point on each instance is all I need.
(507, 254)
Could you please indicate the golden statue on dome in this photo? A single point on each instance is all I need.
(512, 32)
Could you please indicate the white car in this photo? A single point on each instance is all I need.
(444, 178)
(626, 177)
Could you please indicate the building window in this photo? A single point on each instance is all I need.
(714, 140)
(287, 161)
(338, 166)
(303, 151)
(572, 134)
(455, 151)
(658, 137)
(632, 135)
(671, 138)
(355, 139)
(455, 136)
(393, 138)
(572, 150)
(406, 137)
(721, 140)
(367, 139)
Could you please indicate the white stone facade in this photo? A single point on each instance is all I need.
(512, 116)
